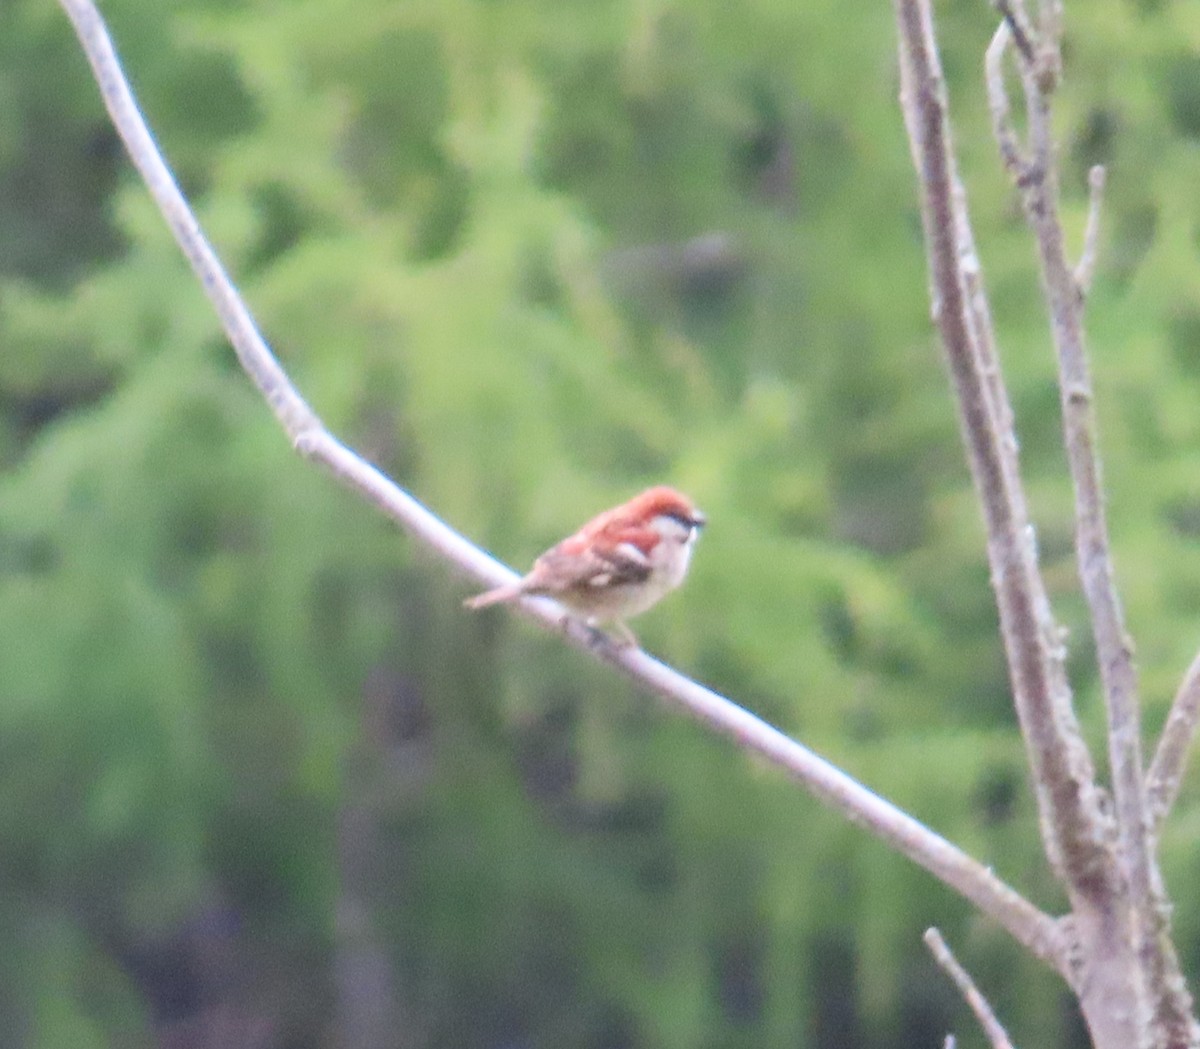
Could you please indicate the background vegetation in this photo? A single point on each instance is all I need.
(265, 784)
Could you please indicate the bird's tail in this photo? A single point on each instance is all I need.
(501, 594)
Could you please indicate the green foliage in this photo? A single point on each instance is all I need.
(528, 257)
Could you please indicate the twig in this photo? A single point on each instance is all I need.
(992, 1028)
(1031, 927)
(983, 339)
(1068, 803)
(1018, 25)
(1170, 759)
(1050, 29)
(1085, 269)
(1014, 159)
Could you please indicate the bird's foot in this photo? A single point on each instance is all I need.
(598, 638)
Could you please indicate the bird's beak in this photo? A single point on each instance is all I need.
(698, 519)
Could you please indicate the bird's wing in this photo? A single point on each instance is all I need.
(572, 566)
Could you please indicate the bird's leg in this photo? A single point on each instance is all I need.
(618, 636)
(625, 638)
(593, 636)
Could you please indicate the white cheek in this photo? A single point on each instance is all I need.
(685, 557)
(673, 563)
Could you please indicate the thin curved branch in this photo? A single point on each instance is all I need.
(287, 404)
(1033, 928)
(992, 1028)
(1170, 759)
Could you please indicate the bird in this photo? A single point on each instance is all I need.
(618, 565)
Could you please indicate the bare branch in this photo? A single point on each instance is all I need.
(1002, 127)
(1085, 269)
(1031, 927)
(1114, 649)
(1068, 802)
(1170, 759)
(1018, 25)
(992, 1028)
(1048, 66)
(1074, 823)
(1170, 1004)
(983, 338)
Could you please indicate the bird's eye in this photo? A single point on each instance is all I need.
(690, 523)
